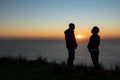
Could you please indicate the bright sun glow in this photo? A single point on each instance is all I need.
(80, 36)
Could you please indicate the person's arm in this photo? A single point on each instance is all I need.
(89, 44)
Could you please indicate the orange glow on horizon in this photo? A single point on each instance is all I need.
(78, 37)
(58, 35)
(32, 35)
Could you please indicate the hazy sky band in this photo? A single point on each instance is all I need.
(51, 17)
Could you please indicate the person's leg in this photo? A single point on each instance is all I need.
(94, 56)
(71, 56)
(96, 59)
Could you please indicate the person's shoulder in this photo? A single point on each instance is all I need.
(98, 36)
(66, 31)
(91, 36)
(94, 36)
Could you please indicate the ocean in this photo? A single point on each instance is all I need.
(54, 50)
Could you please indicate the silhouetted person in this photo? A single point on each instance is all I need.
(93, 46)
(70, 44)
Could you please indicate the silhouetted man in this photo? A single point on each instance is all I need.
(93, 46)
(70, 43)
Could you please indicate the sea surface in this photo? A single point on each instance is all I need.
(54, 50)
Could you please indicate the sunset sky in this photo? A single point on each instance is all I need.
(50, 18)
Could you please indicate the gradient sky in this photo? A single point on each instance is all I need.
(49, 18)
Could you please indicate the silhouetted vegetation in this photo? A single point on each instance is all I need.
(40, 69)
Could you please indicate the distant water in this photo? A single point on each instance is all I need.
(55, 50)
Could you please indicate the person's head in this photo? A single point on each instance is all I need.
(95, 30)
(71, 26)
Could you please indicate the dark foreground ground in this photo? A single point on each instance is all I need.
(40, 69)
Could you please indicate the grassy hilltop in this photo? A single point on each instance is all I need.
(40, 69)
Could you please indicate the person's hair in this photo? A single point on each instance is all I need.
(95, 29)
(71, 25)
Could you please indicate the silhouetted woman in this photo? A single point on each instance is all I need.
(93, 46)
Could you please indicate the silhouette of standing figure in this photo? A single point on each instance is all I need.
(93, 46)
(70, 44)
